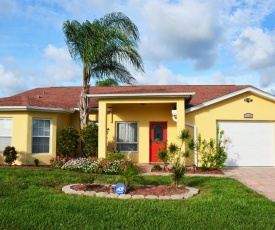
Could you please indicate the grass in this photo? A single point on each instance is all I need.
(31, 198)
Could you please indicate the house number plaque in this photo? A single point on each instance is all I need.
(248, 115)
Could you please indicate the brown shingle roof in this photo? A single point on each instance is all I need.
(52, 97)
(68, 97)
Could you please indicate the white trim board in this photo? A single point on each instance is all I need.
(248, 89)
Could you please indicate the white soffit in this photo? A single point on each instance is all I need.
(139, 95)
(34, 108)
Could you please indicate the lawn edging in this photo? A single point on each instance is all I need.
(192, 192)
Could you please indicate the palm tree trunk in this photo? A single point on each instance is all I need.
(84, 100)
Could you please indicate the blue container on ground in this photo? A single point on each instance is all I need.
(120, 188)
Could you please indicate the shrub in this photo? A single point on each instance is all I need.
(89, 138)
(115, 167)
(115, 156)
(10, 154)
(94, 165)
(67, 142)
(212, 153)
(36, 162)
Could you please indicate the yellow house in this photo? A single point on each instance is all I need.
(136, 120)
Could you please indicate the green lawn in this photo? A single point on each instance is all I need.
(31, 198)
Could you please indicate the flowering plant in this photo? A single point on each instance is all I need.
(77, 164)
(57, 162)
(95, 165)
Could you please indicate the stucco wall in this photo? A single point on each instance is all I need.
(22, 134)
(143, 114)
(231, 109)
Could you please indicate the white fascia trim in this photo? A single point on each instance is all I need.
(96, 109)
(34, 108)
(248, 89)
(138, 95)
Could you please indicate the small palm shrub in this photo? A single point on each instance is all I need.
(179, 156)
(163, 155)
(157, 167)
(10, 155)
(88, 179)
(130, 174)
(178, 171)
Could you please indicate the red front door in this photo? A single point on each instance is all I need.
(158, 136)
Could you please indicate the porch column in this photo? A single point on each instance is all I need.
(180, 116)
(102, 129)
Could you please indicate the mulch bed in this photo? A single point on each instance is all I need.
(192, 171)
(159, 190)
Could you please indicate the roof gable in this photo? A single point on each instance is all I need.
(232, 94)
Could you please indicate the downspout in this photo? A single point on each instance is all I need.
(174, 118)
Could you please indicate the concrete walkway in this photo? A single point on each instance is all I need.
(260, 179)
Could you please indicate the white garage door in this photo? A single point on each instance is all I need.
(249, 143)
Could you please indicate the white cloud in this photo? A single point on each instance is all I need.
(8, 59)
(219, 79)
(160, 76)
(60, 66)
(204, 34)
(182, 30)
(246, 13)
(6, 7)
(255, 48)
(267, 77)
(165, 76)
(11, 82)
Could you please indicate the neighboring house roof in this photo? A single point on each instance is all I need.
(67, 98)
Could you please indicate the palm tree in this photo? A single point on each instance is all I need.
(107, 82)
(104, 48)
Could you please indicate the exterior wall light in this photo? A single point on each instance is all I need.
(174, 115)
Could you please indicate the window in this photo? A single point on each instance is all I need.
(5, 132)
(41, 135)
(158, 132)
(127, 136)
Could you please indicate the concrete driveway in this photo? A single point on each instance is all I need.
(260, 179)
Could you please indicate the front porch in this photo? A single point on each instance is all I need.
(142, 111)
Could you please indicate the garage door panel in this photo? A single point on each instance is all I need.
(249, 143)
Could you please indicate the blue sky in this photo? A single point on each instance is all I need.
(182, 41)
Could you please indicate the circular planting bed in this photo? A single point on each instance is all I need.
(140, 192)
